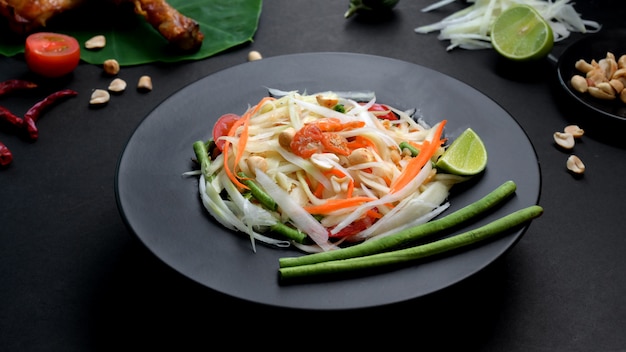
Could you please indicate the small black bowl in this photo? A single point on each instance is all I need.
(604, 119)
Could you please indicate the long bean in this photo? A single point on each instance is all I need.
(401, 256)
(289, 232)
(202, 155)
(404, 237)
(258, 193)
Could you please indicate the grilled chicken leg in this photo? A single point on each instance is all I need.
(27, 16)
(179, 30)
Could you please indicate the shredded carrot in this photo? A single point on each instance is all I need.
(332, 205)
(243, 140)
(319, 190)
(361, 142)
(417, 145)
(374, 214)
(387, 180)
(350, 189)
(339, 173)
(416, 164)
(335, 172)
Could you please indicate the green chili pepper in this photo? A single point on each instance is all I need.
(370, 6)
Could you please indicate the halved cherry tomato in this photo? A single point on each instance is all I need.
(51, 54)
(355, 227)
(382, 108)
(221, 128)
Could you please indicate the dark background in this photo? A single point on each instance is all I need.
(74, 278)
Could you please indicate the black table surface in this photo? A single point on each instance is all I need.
(74, 278)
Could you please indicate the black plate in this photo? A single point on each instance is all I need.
(163, 208)
(605, 118)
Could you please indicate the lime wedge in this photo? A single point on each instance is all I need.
(466, 156)
(519, 33)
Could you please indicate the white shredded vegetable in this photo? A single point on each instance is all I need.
(333, 167)
(470, 27)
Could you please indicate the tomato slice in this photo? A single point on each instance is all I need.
(221, 128)
(51, 54)
(382, 108)
(355, 227)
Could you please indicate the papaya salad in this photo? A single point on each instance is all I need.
(321, 171)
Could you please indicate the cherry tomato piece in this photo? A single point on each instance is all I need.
(383, 108)
(354, 228)
(221, 128)
(51, 54)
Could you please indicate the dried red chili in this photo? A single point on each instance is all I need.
(33, 114)
(8, 116)
(6, 157)
(15, 84)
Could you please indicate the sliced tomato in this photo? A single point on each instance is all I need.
(382, 108)
(354, 228)
(221, 128)
(51, 54)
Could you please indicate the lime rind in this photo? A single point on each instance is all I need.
(520, 33)
(465, 156)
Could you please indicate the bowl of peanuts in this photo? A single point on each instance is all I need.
(592, 75)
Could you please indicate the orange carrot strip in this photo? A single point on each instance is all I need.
(373, 214)
(335, 172)
(243, 140)
(319, 190)
(416, 164)
(339, 173)
(350, 188)
(362, 142)
(336, 204)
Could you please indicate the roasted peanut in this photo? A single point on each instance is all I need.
(256, 162)
(564, 140)
(96, 42)
(360, 156)
(579, 83)
(340, 184)
(602, 90)
(99, 96)
(285, 137)
(604, 79)
(621, 62)
(326, 101)
(608, 66)
(254, 55)
(117, 85)
(617, 85)
(145, 83)
(583, 66)
(574, 130)
(111, 67)
(575, 165)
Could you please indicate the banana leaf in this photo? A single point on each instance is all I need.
(132, 41)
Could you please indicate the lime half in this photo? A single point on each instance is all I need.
(466, 156)
(519, 33)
